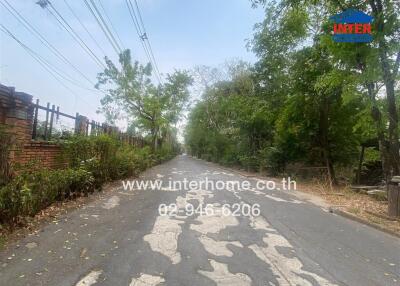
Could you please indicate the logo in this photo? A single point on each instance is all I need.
(352, 26)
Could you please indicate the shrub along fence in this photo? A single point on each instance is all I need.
(34, 139)
(36, 173)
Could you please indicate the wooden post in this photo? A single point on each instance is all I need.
(394, 197)
(47, 120)
(81, 125)
(35, 120)
(76, 123)
(87, 129)
(58, 114)
(92, 128)
(53, 108)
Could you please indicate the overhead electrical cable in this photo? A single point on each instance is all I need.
(41, 61)
(105, 25)
(146, 38)
(102, 27)
(111, 24)
(46, 4)
(46, 62)
(42, 39)
(84, 27)
(142, 37)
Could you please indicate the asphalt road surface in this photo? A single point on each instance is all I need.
(126, 239)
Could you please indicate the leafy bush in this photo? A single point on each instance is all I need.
(6, 141)
(107, 158)
(165, 153)
(35, 189)
(251, 163)
(92, 161)
(273, 160)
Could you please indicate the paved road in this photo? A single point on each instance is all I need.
(122, 239)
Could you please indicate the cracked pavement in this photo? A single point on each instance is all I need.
(122, 239)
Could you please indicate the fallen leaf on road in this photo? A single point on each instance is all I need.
(83, 252)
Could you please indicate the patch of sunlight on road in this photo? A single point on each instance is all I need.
(221, 275)
(147, 280)
(289, 270)
(90, 279)
(218, 247)
(164, 237)
(111, 203)
(214, 223)
(275, 198)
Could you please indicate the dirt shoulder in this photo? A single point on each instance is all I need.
(362, 206)
(33, 225)
(341, 200)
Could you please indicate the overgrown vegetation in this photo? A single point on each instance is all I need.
(34, 189)
(151, 111)
(307, 100)
(6, 141)
(90, 162)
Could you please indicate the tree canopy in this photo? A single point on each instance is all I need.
(307, 99)
(131, 94)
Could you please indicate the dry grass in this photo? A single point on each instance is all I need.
(361, 205)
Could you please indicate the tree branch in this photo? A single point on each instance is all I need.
(140, 109)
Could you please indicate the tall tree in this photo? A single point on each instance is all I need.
(374, 65)
(132, 95)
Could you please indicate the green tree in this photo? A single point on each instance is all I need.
(132, 95)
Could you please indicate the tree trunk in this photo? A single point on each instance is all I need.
(324, 140)
(393, 136)
(154, 141)
(389, 81)
(383, 144)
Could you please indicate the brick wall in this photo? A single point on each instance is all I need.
(16, 116)
(46, 154)
(16, 113)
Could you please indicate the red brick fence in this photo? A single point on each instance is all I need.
(19, 117)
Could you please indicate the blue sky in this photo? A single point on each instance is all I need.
(183, 33)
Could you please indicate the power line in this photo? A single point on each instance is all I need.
(84, 27)
(146, 36)
(141, 35)
(40, 60)
(76, 34)
(47, 63)
(111, 24)
(45, 4)
(42, 39)
(137, 28)
(103, 27)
